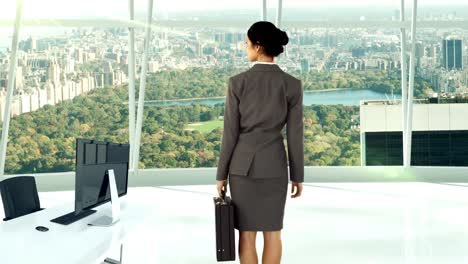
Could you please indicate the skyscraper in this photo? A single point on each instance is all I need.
(452, 54)
(54, 72)
(419, 49)
(305, 67)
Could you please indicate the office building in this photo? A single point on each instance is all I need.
(452, 54)
(358, 52)
(439, 137)
(305, 67)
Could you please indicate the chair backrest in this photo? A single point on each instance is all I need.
(19, 196)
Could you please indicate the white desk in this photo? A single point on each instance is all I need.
(76, 243)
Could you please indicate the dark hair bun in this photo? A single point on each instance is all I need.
(284, 39)
(271, 38)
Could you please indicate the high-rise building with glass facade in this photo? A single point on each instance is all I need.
(452, 54)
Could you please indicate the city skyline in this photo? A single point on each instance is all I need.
(319, 50)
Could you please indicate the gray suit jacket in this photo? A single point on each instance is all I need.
(259, 102)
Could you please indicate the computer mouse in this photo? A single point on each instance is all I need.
(42, 228)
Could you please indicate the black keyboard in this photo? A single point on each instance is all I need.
(72, 217)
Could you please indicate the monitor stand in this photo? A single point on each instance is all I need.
(107, 220)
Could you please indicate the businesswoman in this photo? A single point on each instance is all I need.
(259, 103)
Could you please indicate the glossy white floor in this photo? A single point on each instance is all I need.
(363, 223)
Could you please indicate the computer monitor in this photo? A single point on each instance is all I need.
(93, 185)
(93, 159)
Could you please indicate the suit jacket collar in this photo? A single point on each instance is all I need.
(265, 67)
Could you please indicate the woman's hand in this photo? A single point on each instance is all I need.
(221, 185)
(296, 189)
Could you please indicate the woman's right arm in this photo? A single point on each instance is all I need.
(295, 134)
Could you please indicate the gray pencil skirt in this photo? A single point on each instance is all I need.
(258, 203)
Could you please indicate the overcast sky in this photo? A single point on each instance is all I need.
(110, 8)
